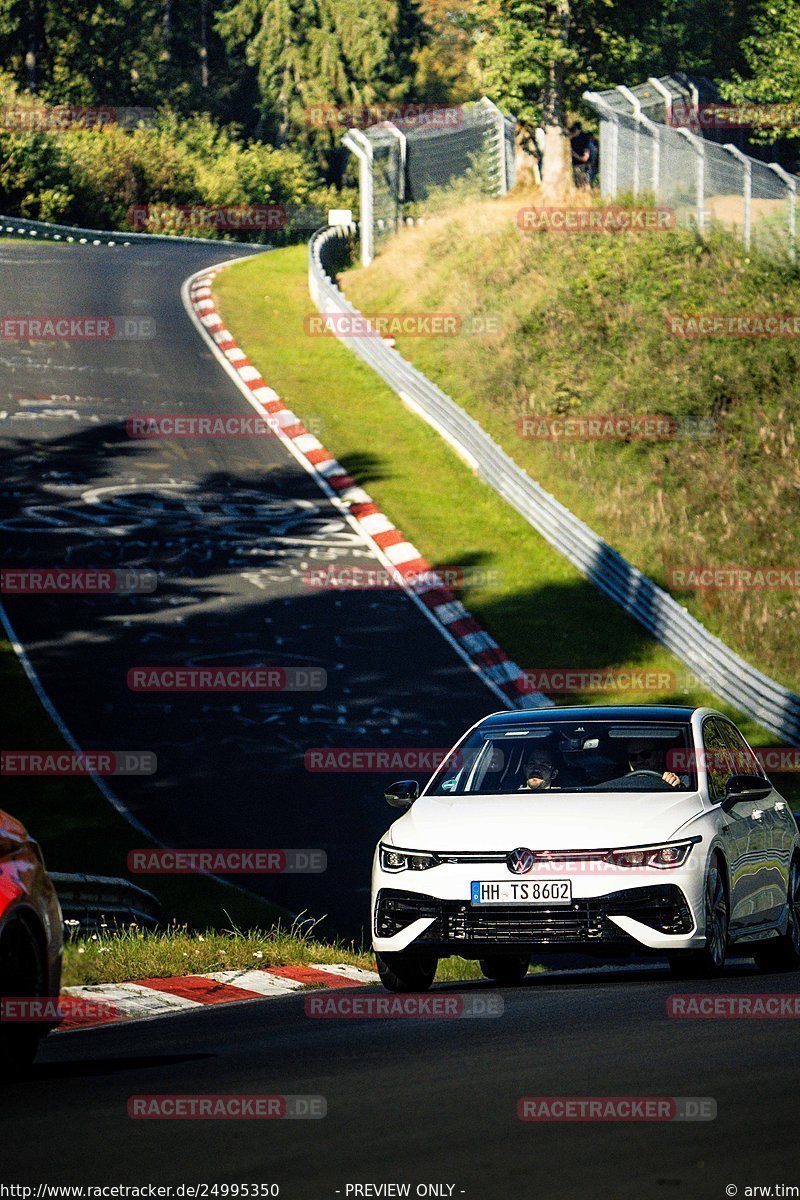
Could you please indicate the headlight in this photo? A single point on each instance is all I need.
(406, 860)
(666, 857)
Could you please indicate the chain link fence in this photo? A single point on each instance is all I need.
(655, 140)
(406, 164)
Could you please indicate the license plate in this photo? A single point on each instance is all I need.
(528, 891)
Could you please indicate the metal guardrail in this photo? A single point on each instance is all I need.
(9, 226)
(98, 901)
(714, 663)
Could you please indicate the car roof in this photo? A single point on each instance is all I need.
(640, 713)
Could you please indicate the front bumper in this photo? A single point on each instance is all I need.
(655, 916)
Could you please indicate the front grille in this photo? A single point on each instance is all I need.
(662, 907)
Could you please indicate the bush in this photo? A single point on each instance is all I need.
(94, 176)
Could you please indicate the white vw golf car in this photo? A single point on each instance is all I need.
(606, 830)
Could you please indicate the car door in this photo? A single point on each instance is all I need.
(769, 861)
(740, 832)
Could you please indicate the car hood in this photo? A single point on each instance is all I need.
(567, 821)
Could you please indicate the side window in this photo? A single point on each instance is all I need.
(745, 762)
(718, 759)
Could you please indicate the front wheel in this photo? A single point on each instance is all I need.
(506, 970)
(710, 960)
(783, 953)
(406, 972)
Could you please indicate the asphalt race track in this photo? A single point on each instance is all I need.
(426, 1101)
(231, 526)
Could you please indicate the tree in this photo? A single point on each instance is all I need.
(123, 52)
(446, 72)
(772, 57)
(529, 53)
(313, 53)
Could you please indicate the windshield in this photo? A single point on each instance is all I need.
(563, 756)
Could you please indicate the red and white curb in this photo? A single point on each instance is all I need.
(402, 560)
(107, 1003)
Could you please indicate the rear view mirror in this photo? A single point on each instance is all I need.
(402, 794)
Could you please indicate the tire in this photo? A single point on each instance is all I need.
(22, 973)
(783, 953)
(710, 960)
(506, 970)
(406, 972)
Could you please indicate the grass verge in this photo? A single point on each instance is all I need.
(138, 954)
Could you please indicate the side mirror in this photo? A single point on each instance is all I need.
(402, 794)
(746, 787)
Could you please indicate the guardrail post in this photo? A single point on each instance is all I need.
(700, 179)
(791, 188)
(747, 190)
(360, 145)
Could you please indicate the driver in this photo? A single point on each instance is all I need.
(540, 773)
(644, 756)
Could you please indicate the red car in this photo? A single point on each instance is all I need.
(31, 941)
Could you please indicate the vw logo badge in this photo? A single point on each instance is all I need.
(521, 861)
